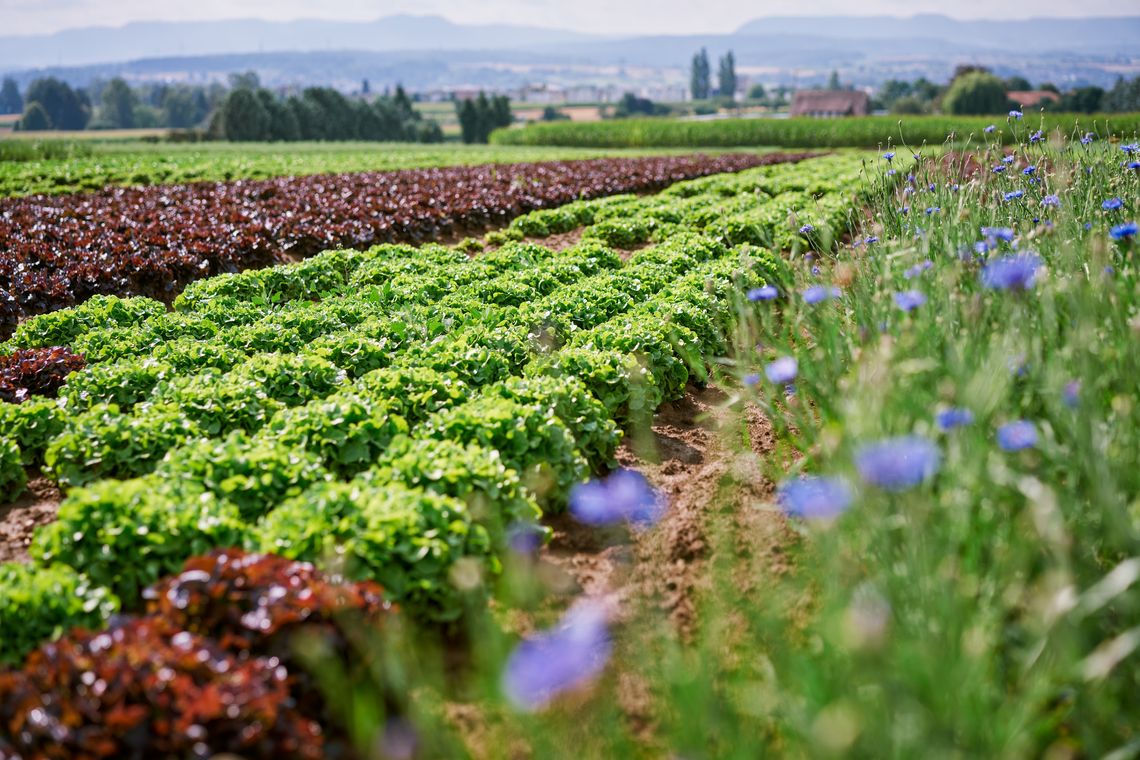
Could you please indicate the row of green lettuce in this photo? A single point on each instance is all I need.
(394, 413)
(805, 132)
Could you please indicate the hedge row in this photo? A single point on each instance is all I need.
(862, 132)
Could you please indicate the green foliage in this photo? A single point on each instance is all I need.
(529, 438)
(864, 132)
(32, 425)
(494, 493)
(124, 535)
(419, 545)
(216, 402)
(124, 383)
(253, 474)
(669, 351)
(12, 477)
(347, 432)
(596, 437)
(413, 392)
(976, 93)
(61, 328)
(39, 604)
(618, 380)
(105, 443)
(291, 379)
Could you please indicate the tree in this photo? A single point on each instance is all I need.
(631, 105)
(726, 75)
(365, 87)
(550, 113)
(1124, 95)
(833, 81)
(468, 120)
(757, 92)
(10, 99)
(892, 90)
(1080, 100)
(908, 105)
(976, 94)
(247, 80)
(35, 118)
(1049, 87)
(477, 118)
(699, 85)
(182, 107)
(244, 118)
(119, 105)
(1019, 83)
(65, 107)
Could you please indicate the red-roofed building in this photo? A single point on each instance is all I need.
(1032, 98)
(830, 103)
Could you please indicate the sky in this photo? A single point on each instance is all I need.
(621, 17)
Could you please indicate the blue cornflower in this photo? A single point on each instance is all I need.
(1112, 204)
(949, 419)
(1088, 138)
(933, 210)
(909, 300)
(1015, 114)
(1051, 201)
(891, 172)
(1027, 171)
(872, 239)
(1123, 231)
(1018, 272)
(525, 538)
(999, 233)
(999, 169)
(751, 379)
(817, 293)
(1037, 136)
(890, 154)
(814, 498)
(918, 269)
(1008, 159)
(1134, 164)
(897, 464)
(981, 247)
(1071, 394)
(1015, 436)
(910, 177)
(989, 129)
(807, 229)
(547, 664)
(815, 271)
(1014, 195)
(623, 495)
(1130, 148)
(782, 371)
(765, 293)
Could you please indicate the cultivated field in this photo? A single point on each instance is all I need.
(811, 456)
(53, 166)
(863, 132)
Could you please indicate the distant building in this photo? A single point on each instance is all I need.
(1032, 98)
(827, 104)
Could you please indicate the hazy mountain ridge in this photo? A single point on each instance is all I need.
(429, 52)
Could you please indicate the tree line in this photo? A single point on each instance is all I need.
(244, 111)
(975, 90)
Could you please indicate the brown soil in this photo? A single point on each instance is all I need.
(38, 506)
